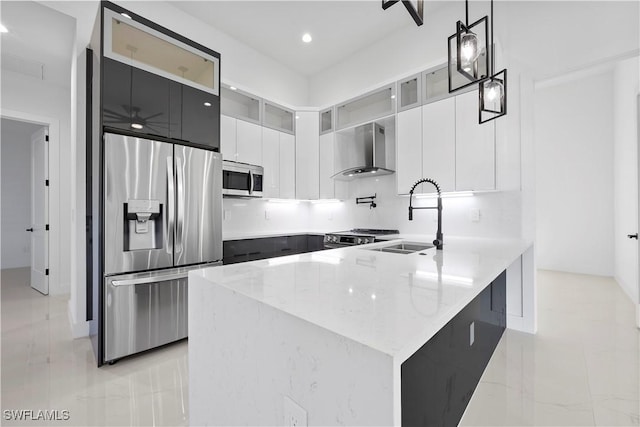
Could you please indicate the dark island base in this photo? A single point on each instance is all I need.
(439, 379)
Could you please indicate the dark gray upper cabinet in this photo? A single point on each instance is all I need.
(173, 95)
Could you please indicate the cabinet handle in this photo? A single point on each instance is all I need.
(633, 236)
(29, 229)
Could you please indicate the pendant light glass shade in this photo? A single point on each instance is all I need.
(468, 59)
(493, 97)
(469, 48)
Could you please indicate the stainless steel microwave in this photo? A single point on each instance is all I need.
(242, 179)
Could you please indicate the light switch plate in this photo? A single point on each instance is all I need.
(474, 214)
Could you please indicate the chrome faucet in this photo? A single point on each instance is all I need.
(438, 241)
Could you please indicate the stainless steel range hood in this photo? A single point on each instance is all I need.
(364, 151)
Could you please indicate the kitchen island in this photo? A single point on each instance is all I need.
(346, 334)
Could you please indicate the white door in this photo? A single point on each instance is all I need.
(40, 211)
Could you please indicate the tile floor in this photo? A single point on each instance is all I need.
(582, 368)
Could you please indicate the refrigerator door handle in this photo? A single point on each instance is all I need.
(171, 197)
(250, 182)
(152, 279)
(180, 201)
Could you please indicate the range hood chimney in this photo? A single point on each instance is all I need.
(364, 152)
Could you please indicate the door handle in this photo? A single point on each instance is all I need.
(171, 197)
(29, 229)
(633, 236)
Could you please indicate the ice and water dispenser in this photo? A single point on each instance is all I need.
(143, 225)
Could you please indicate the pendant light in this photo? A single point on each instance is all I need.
(416, 11)
(468, 59)
(493, 91)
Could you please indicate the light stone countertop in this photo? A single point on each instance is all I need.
(393, 303)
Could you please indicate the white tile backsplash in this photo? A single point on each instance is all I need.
(500, 214)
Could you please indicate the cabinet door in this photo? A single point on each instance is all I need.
(475, 146)
(149, 103)
(307, 155)
(271, 162)
(200, 112)
(228, 137)
(116, 95)
(287, 166)
(327, 187)
(249, 140)
(409, 150)
(439, 144)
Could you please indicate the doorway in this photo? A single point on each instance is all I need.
(25, 204)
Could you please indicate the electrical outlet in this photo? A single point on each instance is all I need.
(294, 414)
(472, 333)
(474, 214)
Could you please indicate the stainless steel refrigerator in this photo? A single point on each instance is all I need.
(162, 218)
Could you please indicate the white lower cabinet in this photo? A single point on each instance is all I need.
(475, 147)
(439, 144)
(409, 150)
(307, 155)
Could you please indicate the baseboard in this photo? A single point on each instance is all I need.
(78, 329)
(633, 296)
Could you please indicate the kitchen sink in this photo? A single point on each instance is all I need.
(403, 248)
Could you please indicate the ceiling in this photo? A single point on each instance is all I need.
(37, 35)
(275, 28)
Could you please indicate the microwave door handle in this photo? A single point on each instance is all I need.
(171, 197)
(180, 202)
(250, 182)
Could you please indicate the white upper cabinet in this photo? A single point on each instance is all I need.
(228, 136)
(410, 92)
(409, 150)
(287, 166)
(439, 144)
(278, 117)
(249, 142)
(307, 155)
(327, 184)
(240, 105)
(475, 147)
(365, 108)
(271, 162)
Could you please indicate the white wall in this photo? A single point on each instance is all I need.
(31, 96)
(574, 174)
(625, 113)
(16, 193)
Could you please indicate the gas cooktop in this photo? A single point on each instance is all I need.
(356, 236)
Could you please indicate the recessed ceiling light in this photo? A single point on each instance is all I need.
(297, 117)
(233, 88)
(393, 97)
(125, 15)
(3, 29)
(306, 37)
(207, 104)
(136, 125)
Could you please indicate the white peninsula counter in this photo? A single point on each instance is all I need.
(330, 330)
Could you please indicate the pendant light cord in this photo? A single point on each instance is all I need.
(493, 50)
(466, 10)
